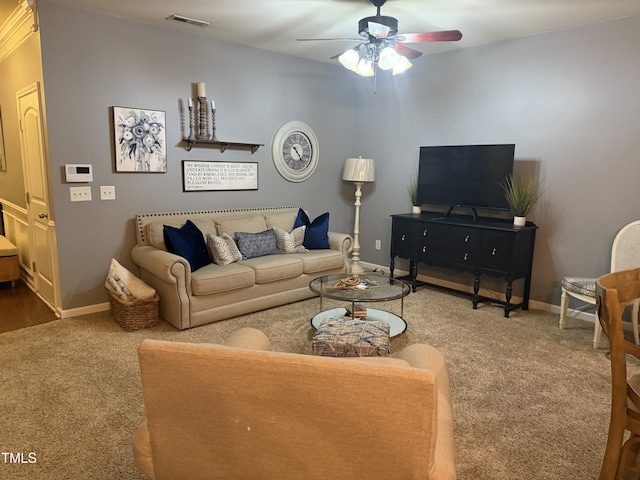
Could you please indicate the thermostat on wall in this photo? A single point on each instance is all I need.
(75, 172)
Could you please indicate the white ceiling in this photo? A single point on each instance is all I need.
(275, 25)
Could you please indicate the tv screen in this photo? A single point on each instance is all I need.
(464, 175)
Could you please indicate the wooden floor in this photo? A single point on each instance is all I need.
(20, 307)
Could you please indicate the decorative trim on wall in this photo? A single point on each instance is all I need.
(16, 230)
(16, 29)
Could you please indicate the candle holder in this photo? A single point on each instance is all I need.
(190, 121)
(203, 124)
(213, 123)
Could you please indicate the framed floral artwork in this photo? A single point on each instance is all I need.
(3, 158)
(140, 140)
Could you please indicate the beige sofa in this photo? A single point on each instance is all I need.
(216, 292)
(240, 410)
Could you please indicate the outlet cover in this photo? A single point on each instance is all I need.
(107, 192)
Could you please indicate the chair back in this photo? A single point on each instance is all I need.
(614, 292)
(220, 412)
(625, 251)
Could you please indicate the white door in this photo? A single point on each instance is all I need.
(42, 233)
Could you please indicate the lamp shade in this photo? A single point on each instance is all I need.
(359, 170)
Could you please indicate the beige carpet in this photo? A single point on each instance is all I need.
(530, 401)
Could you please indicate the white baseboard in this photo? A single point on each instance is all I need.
(572, 313)
(76, 312)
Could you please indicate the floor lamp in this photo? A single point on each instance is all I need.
(358, 170)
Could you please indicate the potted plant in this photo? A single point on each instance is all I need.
(412, 188)
(521, 193)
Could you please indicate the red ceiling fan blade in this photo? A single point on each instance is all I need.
(443, 36)
(408, 52)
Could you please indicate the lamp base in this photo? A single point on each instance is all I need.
(356, 267)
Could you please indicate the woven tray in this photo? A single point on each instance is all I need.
(134, 315)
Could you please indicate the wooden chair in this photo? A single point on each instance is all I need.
(614, 292)
(625, 254)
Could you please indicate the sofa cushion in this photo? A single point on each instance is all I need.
(272, 268)
(216, 278)
(252, 224)
(189, 243)
(253, 245)
(320, 260)
(283, 221)
(317, 233)
(290, 242)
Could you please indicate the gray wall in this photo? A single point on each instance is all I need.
(567, 99)
(92, 62)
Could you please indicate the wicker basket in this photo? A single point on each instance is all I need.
(135, 315)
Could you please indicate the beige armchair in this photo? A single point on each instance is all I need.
(239, 410)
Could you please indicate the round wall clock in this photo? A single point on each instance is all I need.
(295, 151)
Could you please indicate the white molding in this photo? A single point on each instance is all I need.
(573, 313)
(16, 29)
(11, 205)
(76, 312)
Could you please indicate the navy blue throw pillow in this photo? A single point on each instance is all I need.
(188, 242)
(316, 236)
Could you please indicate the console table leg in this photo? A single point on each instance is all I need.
(525, 296)
(413, 267)
(392, 266)
(476, 289)
(508, 293)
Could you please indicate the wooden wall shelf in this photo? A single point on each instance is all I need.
(192, 142)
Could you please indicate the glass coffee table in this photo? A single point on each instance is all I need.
(371, 288)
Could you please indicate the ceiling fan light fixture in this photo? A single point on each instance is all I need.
(349, 59)
(402, 66)
(388, 58)
(365, 68)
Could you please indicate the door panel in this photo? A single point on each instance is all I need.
(42, 245)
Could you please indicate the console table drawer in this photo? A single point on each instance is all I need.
(496, 251)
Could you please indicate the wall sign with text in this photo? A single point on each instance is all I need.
(201, 176)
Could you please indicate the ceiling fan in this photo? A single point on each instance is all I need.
(381, 46)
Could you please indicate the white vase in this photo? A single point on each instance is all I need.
(416, 209)
(519, 221)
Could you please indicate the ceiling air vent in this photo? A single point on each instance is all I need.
(190, 21)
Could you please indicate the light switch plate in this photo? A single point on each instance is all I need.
(80, 194)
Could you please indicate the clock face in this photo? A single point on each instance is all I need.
(295, 151)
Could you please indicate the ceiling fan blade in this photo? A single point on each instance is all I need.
(408, 52)
(378, 30)
(329, 39)
(443, 36)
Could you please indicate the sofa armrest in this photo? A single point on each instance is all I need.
(248, 338)
(343, 242)
(166, 266)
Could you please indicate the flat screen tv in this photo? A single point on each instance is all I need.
(464, 175)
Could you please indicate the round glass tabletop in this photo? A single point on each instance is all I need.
(371, 288)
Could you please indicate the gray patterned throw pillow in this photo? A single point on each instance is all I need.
(257, 244)
(290, 242)
(223, 249)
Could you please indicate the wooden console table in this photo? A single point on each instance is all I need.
(484, 246)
